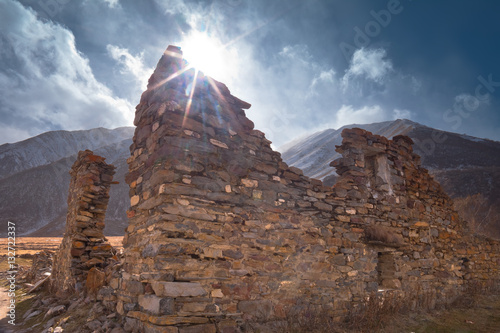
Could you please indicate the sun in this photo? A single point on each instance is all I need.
(209, 55)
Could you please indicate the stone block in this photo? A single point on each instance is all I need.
(256, 308)
(207, 328)
(150, 303)
(176, 320)
(133, 287)
(150, 328)
(178, 289)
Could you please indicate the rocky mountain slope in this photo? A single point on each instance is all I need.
(34, 178)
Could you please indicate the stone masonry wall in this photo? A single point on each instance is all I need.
(222, 230)
(84, 245)
(408, 219)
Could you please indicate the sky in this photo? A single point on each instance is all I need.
(304, 65)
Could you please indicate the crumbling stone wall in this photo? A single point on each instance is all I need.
(408, 219)
(84, 245)
(222, 230)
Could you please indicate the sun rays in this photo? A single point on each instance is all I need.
(209, 55)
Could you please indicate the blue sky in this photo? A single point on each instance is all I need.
(303, 65)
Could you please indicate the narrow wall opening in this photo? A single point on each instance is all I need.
(378, 172)
(387, 268)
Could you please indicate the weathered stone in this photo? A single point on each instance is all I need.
(218, 143)
(96, 279)
(175, 320)
(222, 228)
(167, 306)
(84, 245)
(150, 328)
(207, 328)
(249, 182)
(177, 289)
(134, 200)
(54, 311)
(257, 308)
(150, 303)
(217, 293)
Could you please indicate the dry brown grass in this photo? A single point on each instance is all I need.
(391, 312)
(483, 216)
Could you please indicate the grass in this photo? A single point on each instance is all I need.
(483, 317)
(477, 310)
(78, 318)
(4, 264)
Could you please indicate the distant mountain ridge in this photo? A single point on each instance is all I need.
(314, 153)
(438, 149)
(51, 146)
(34, 178)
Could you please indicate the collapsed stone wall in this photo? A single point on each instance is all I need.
(421, 242)
(84, 245)
(222, 230)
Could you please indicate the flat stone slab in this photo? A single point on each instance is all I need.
(178, 289)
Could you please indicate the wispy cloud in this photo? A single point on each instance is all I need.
(111, 3)
(131, 65)
(46, 82)
(367, 114)
(371, 64)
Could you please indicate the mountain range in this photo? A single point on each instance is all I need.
(34, 173)
(34, 178)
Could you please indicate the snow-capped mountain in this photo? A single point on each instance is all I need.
(34, 178)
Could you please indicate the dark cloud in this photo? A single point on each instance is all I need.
(304, 65)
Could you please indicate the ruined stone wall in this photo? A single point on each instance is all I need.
(84, 245)
(222, 230)
(421, 242)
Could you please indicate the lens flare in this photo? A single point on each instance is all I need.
(209, 55)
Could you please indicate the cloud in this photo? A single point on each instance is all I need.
(324, 77)
(470, 103)
(402, 114)
(45, 82)
(290, 75)
(348, 115)
(370, 64)
(131, 65)
(13, 134)
(111, 3)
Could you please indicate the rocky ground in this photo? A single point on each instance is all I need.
(39, 311)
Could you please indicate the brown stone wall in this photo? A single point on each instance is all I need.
(84, 245)
(408, 218)
(222, 230)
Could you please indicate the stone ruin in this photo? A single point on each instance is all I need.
(222, 231)
(84, 246)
